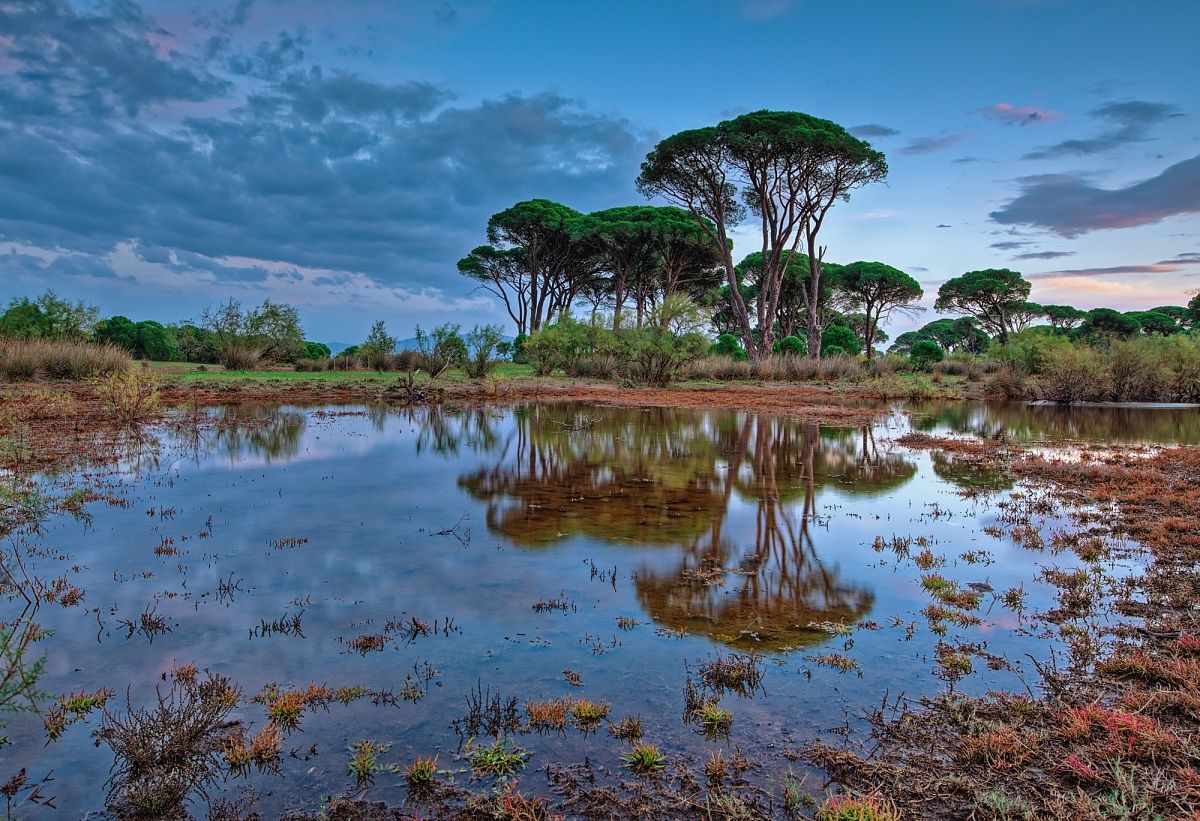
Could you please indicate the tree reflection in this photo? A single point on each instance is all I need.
(678, 477)
(1022, 422)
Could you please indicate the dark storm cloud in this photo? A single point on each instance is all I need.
(316, 169)
(1132, 121)
(92, 65)
(927, 145)
(1069, 205)
(873, 130)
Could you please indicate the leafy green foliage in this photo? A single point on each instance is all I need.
(925, 353)
(1105, 323)
(48, 317)
(271, 331)
(315, 350)
(993, 296)
(841, 338)
(877, 289)
(793, 345)
(481, 343)
(728, 345)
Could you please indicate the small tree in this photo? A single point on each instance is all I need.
(379, 347)
(728, 345)
(482, 343)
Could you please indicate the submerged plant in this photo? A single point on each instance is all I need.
(501, 759)
(643, 759)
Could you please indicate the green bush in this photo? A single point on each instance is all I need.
(792, 345)
(518, 348)
(925, 353)
(728, 345)
(839, 339)
(315, 350)
(654, 356)
(481, 344)
(569, 345)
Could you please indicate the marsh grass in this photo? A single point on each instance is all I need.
(166, 753)
(643, 759)
(500, 759)
(26, 359)
(781, 368)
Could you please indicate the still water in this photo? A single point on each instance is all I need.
(650, 541)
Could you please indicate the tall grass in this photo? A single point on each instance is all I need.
(26, 359)
(785, 368)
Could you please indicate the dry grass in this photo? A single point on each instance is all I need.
(22, 360)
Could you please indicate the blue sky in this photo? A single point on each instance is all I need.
(158, 157)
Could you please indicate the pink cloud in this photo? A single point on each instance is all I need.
(1019, 115)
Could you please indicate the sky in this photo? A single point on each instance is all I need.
(162, 156)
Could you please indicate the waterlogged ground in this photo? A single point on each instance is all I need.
(533, 553)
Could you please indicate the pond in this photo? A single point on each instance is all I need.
(537, 552)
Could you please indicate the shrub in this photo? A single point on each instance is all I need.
(131, 395)
(839, 339)
(924, 353)
(728, 345)
(792, 345)
(1028, 351)
(570, 345)
(1006, 383)
(1073, 373)
(441, 349)
(518, 347)
(481, 345)
(309, 365)
(240, 357)
(654, 356)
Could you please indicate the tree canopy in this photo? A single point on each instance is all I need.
(996, 297)
(789, 169)
(878, 290)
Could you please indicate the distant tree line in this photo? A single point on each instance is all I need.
(227, 334)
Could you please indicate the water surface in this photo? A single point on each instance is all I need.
(654, 539)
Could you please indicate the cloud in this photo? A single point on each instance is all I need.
(315, 169)
(115, 60)
(1044, 254)
(1019, 115)
(927, 145)
(1164, 267)
(1010, 245)
(314, 96)
(1069, 205)
(873, 130)
(943, 225)
(1132, 122)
